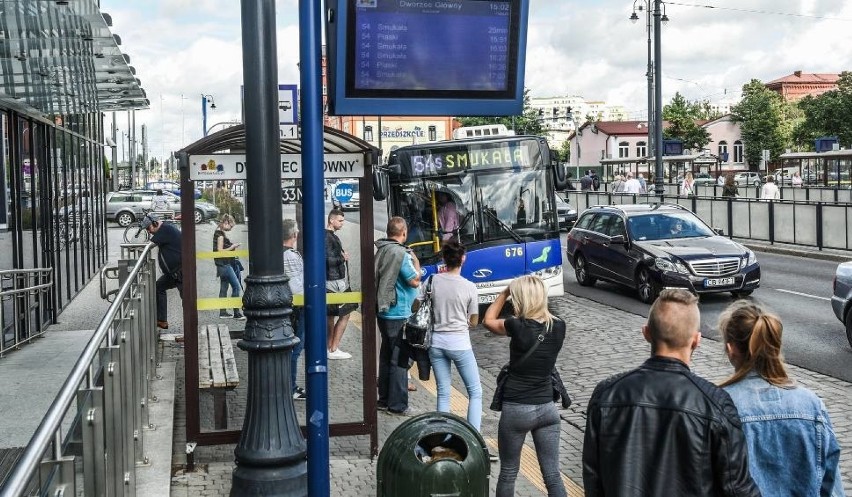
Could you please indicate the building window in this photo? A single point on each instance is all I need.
(433, 133)
(368, 133)
(738, 151)
(641, 149)
(723, 151)
(623, 150)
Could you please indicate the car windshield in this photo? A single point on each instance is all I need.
(666, 226)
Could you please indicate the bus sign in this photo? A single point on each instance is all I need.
(343, 192)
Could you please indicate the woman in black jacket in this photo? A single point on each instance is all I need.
(730, 189)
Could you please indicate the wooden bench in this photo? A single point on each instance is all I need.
(217, 368)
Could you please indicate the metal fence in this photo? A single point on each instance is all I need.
(25, 304)
(811, 224)
(824, 194)
(92, 437)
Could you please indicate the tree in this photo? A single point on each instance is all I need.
(682, 115)
(528, 123)
(760, 115)
(829, 114)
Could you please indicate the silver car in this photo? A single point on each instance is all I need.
(127, 206)
(841, 300)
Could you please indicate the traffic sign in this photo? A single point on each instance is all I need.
(343, 192)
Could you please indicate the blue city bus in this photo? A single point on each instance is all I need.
(503, 191)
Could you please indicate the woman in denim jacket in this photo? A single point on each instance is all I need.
(792, 447)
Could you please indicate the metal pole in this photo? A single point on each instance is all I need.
(204, 115)
(658, 103)
(313, 205)
(129, 153)
(270, 455)
(650, 75)
(114, 153)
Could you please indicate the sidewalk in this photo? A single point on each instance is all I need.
(600, 341)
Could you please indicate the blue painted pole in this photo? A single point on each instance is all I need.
(204, 115)
(316, 359)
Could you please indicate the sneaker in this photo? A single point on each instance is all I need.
(299, 394)
(163, 325)
(239, 317)
(339, 354)
(225, 315)
(408, 412)
(493, 457)
(381, 407)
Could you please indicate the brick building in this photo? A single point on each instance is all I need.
(799, 84)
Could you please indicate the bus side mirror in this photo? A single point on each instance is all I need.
(380, 185)
(719, 231)
(560, 177)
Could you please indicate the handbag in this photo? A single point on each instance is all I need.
(503, 375)
(418, 327)
(346, 307)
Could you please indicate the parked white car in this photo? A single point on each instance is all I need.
(748, 178)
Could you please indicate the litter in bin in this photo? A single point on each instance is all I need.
(438, 446)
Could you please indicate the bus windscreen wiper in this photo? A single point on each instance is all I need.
(505, 226)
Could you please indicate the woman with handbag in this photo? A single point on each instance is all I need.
(527, 393)
(226, 267)
(455, 309)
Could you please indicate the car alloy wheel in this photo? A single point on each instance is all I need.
(581, 271)
(199, 216)
(646, 287)
(125, 219)
(849, 327)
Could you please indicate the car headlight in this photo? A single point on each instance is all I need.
(670, 266)
(749, 259)
(571, 212)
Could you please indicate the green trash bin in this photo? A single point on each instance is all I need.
(431, 455)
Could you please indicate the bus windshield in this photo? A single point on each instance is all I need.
(476, 192)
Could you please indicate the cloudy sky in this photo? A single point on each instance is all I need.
(185, 48)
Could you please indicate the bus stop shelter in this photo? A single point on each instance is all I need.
(218, 162)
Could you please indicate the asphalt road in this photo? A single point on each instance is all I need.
(797, 289)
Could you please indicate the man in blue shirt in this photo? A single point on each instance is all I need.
(397, 280)
(168, 240)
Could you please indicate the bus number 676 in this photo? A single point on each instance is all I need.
(514, 252)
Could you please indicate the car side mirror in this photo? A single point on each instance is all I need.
(617, 240)
(719, 231)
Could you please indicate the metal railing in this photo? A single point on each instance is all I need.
(809, 224)
(806, 193)
(26, 293)
(92, 437)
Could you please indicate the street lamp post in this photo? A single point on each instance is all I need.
(654, 75)
(204, 100)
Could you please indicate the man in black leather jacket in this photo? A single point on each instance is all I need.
(660, 429)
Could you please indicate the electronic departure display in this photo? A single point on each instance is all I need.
(427, 57)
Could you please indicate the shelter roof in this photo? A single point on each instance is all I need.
(60, 57)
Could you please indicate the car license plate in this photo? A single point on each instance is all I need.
(718, 282)
(487, 299)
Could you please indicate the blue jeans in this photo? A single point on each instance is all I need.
(299, 319)
(229, 278)
(516, 420)
(393, 380)
(465, 362)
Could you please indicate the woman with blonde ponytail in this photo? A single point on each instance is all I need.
(793, 450)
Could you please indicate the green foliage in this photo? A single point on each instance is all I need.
(528, 123)
(829, 114)
(761, 116)
(227, 203)
(682, 115)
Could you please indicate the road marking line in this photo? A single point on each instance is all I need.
(529, 461)
(802, 294)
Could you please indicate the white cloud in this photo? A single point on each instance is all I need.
(575, 47)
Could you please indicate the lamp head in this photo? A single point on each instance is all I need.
(633, 17)
(664, 19)
(212, 105)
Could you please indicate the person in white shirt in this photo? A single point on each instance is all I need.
(687, 187)
(632, 185)
(160, 202)
(770, 190)
(720, 180)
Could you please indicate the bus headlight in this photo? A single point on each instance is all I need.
(550, 272)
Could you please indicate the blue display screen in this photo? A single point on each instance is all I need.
(432, 46)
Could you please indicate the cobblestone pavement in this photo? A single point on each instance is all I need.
(600, 341)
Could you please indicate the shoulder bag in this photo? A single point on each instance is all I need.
(418, 327)
(503, 375)
(346, 307)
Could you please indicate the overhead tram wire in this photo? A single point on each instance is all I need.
(762, 12)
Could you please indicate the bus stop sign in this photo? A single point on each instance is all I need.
(343, 192)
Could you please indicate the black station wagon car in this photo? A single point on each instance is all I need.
(654, 246)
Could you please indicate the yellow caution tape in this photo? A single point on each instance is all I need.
(215, 303)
